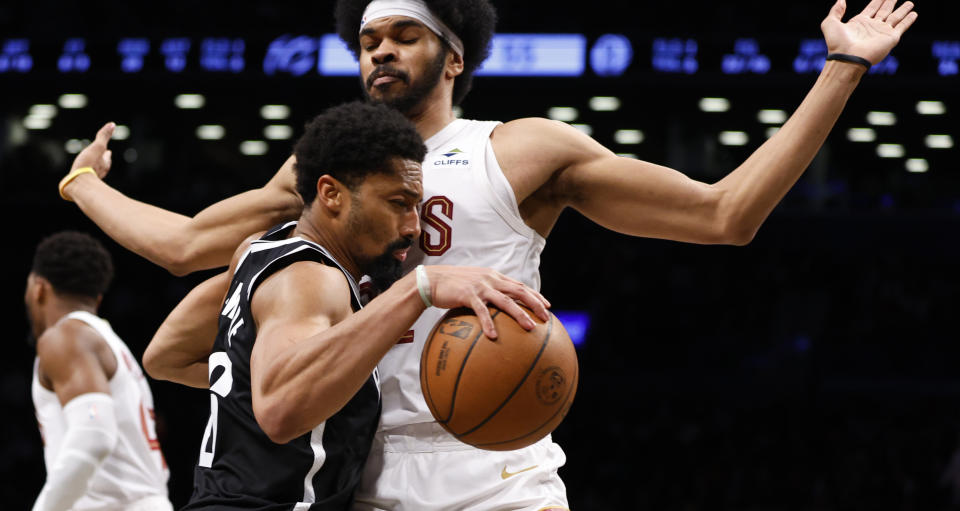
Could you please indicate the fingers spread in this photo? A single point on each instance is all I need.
(483, 314)
(907, 21)
(897, 16)
(510, 307)
(885, 9)
(871, 9)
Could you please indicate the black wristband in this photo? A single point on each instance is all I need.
(853, 59)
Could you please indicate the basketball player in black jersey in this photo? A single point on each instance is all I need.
(292, 374)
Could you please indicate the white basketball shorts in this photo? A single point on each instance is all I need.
(422, 468)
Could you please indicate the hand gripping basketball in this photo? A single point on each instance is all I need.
(465, 286)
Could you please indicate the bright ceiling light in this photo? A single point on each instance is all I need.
(917, 165)
(72, 101)
(189, 101)
(931, 108)
(210, 132)
(604, 103)
(278, 132)
(563, 113)
(881, 118)
(254, 147)
(772, 130)
(120, 132)
(44, 111)
(939, 141)
(772, 116)
(734, 138)
(861, 135)
(714, 104)
(36, 123)
(890, 151)
(627, 137)
(73, 146)
(275, 112)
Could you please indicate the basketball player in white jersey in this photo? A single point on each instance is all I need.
(92, 400)
(492, 193)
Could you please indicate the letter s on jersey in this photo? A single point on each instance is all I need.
(437, 234)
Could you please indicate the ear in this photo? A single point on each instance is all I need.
(42, 289)
(331, 193)
(454, 65)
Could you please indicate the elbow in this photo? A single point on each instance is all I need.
(151, 363)
(278, 420)
(178, 263)
(738, 235)
(178, 255)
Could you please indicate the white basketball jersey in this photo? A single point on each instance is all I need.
(136, 468)
(469, 217)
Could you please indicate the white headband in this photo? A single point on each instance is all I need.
(417, 10)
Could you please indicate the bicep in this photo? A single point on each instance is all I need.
(215, 232)
(289, 307)
(636, 197)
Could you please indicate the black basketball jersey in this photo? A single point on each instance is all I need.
(240, 467)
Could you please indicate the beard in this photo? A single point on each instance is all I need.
(385, 269)
(407, 102)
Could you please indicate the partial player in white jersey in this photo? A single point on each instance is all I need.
(93, 404)
(492, 194)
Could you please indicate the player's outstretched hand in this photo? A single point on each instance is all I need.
(465, 286)
(96, 154)
(872, 33)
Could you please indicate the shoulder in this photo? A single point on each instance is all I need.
(67, 341)
(556, 143)
(532, 151)
(242, 248)
(303, 288)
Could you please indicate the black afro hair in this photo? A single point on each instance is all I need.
(351, 141)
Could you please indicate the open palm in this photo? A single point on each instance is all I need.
(870, 34)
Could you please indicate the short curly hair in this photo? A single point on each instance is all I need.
(74, 263)
(473, 21)
(351, 141)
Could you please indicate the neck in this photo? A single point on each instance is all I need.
(435, 114)
(60, 307)
(307, 229)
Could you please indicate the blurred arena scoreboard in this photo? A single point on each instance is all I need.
(517, 55)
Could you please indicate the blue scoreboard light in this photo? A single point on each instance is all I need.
(536, 55)
(511, 55)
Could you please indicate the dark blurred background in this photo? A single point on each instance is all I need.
(814, 369)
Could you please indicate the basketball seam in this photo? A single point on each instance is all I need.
(463, 363)
(425, 375)
(543, 347)
(576, 379)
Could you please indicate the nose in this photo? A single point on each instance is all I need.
(410, 227)
(386, 52)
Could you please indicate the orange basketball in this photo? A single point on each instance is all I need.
(498, 394)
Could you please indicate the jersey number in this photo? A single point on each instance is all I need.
(437, 234)
(221, 387)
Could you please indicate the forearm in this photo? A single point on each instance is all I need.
(154, 233)
(90, 437)
(751, 191)
(179, 243)
(313, 379)
(179, 350)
